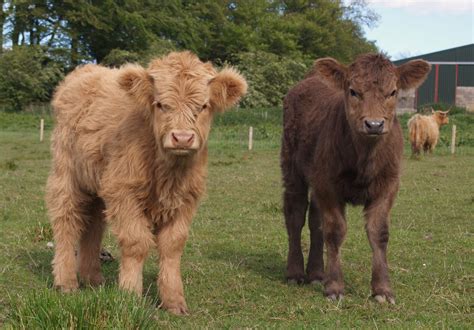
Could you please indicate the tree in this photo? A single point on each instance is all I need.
(27, 76)
(113, 32)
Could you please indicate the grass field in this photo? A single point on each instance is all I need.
(234, 262)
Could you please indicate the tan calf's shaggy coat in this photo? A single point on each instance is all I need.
(130, 149)
(423, 131)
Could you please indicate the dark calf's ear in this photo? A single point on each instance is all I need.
(413, 73)
(226, 89)
(136, 81)
(331, 71)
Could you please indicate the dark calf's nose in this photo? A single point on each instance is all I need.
(374, 126)
(182, 139)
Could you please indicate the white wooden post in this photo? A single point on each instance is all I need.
(41, 129)
(250, 138)
(453, 140)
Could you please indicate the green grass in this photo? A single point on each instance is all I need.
(234, 262)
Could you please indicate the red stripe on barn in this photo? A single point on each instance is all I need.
(456, 83)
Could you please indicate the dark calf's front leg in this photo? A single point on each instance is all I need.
(377, 224)
(334, 232)
(315, 266)
(295, 205)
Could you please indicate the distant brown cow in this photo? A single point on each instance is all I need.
(130, 148)
(423, 131)
(342, 141)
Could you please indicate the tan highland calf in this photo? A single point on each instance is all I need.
(130, 149)
(423, 131)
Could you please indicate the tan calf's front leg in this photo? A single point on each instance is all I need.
(171, 240)
(135, 238)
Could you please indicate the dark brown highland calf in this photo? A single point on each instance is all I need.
(130, 149)
(343, 142)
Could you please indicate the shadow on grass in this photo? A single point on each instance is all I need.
(267, 264)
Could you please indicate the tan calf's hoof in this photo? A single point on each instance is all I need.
(176, 309)
(67, 287)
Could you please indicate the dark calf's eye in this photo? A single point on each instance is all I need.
(354, 93)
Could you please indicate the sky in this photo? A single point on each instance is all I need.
(414, 27)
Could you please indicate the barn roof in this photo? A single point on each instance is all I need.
(456, 55)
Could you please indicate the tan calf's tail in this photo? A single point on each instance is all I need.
(414, 134)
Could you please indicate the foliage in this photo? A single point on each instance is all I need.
(269, 77)
(289, 33)
(118, 57)
(27, 75)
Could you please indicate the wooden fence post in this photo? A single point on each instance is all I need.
(250, 138)
(41, 129)
(453, 140)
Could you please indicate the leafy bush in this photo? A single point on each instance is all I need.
(269, 77)
(118, 57)
(27, 75)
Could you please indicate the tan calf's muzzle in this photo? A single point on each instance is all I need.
(181, 142)
(182, 139)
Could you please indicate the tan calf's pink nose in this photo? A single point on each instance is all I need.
(182, 139)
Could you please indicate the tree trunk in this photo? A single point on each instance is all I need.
(2, 21)
(74, 50)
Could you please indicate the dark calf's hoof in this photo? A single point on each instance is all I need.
(315, 278)
(334, 290)
(383, 295)
(295, 279)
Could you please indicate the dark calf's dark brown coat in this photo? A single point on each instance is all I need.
(342, 142)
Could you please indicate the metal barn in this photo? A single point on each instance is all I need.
(451, 69)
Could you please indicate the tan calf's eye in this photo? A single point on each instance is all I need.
(204, 107)
(393, 93)
(160, 106)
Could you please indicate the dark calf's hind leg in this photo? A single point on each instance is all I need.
(90, 242)
(315, 266)
(295, 204)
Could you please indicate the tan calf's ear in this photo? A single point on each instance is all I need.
(413, 73)
(331, 71)
(136, 81)
(226, 88)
